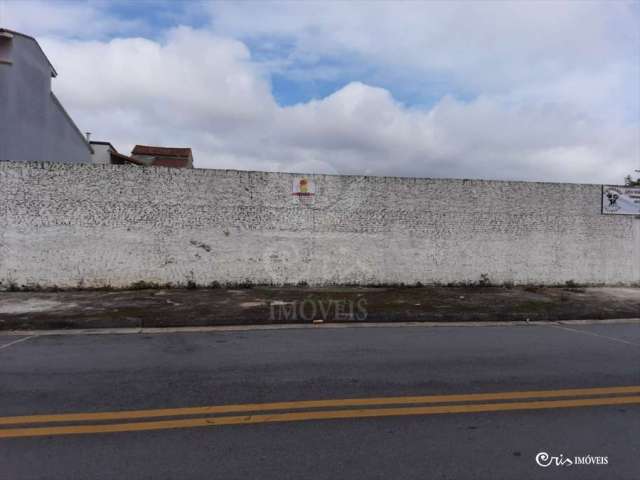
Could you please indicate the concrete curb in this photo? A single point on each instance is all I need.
(243, 328)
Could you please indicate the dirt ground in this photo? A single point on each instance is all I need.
(200, 307)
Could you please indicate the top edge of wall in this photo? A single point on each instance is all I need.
(4, 164)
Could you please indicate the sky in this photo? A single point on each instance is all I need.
(542, 90)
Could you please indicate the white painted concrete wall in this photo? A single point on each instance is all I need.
(96, 225)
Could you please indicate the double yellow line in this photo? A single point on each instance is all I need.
(124, 421)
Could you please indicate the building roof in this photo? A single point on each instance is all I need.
(161, 151)
(11, 32)
(117, 157)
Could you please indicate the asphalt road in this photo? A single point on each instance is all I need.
(145, 372)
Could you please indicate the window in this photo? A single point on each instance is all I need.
(5, 47)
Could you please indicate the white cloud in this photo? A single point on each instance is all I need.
(193, 77)
(552, 90)
(192, 88)
(480, 45)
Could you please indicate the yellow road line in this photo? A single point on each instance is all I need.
(314, 415)
(347, 402)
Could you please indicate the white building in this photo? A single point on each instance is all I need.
(102, 152)
(33, 124)
(106, 154)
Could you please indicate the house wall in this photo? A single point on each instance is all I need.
(98, 225)
(33, 125)
(101, 154)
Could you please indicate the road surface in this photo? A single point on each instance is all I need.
(466, 402)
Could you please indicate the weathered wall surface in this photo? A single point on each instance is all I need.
(96, 225)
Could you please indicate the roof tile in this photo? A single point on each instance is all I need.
(161, 151)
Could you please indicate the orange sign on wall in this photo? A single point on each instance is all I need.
(303, 187)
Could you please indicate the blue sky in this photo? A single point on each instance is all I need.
(525, 90)
(290, 86)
